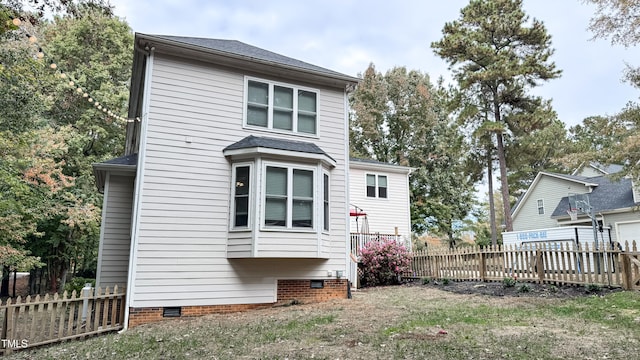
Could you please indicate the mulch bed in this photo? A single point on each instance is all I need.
(521, 289)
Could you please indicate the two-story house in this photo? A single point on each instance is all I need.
(546, 204)
(233, 190)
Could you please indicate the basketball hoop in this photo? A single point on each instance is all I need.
(573, 213)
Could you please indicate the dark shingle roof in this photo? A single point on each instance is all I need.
(123, 160)
(608, 195)
(279, 144)
(245, 50)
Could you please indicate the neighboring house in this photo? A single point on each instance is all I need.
(546, 202)
(233, 190)
(381, 191)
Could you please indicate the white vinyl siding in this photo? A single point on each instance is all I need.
(196, 110)
(116, 232)
(382, 216)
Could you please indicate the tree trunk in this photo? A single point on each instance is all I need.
(504, 185)
(4, 287)
(492, 205)
(503, 167)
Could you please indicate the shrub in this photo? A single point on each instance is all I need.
(383, 262)
(524, 288)
(445, 281)
(593, 288)
(508, 282)
(426, 280)
(77, 283)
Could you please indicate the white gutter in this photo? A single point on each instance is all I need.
(347, 240)
(137, 195)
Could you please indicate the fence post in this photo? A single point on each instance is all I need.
(483, 266)
(540, 265)
(625, 261)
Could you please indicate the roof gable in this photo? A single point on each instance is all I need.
(523, 199)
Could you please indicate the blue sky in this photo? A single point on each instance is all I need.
(347, 35)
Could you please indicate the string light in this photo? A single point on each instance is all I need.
(40, 55)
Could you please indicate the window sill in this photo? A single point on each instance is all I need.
(288, 230)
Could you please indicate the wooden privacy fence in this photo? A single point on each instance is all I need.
(556, 263)
(33, 321)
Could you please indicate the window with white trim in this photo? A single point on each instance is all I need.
(289, 197)
(241, 195)
(325, 196)
(281, 107)
(540, 207)
(377, 186)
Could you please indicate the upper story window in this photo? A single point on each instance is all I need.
(540, 207)
(281, 107)
(376, 186)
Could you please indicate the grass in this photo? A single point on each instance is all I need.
(386, 323)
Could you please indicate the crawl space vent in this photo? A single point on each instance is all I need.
(171, 312)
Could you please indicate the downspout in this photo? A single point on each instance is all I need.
(137, 195)
(347, 240)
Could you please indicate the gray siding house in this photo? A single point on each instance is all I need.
(615, 202)
(233, 190)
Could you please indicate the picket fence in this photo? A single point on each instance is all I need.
(557, 264)
(32, 321)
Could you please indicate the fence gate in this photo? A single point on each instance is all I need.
(631, 269)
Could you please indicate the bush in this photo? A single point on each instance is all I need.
(508, 282)
(524, 288)
(445, 281)
(593, 288)
(77, 283)
(426, 280)
(383, 262)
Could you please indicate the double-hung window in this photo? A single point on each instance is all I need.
(325, 202)
(540, 207)
(376, 186)
(241, 195)
(289, 197)
(281, 107)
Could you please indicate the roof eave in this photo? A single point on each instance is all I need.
(100, 172)
(239, 61)
(363, 165)
(259, 150)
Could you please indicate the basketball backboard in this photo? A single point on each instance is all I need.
(579, 202)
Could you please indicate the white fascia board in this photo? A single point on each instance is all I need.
(355, 164)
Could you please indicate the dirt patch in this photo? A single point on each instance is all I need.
(520, 289)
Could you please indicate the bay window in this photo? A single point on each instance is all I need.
(241, 195)
(288, 200)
